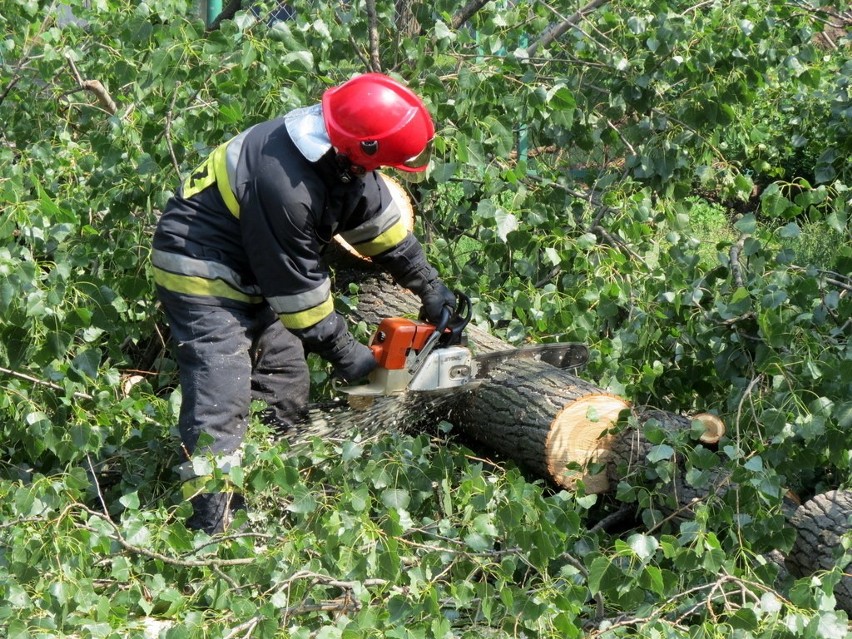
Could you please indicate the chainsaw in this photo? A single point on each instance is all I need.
(418, 356)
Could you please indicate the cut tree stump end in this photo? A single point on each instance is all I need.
(577, 435)
(714, 428)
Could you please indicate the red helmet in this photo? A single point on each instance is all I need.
(376, 121)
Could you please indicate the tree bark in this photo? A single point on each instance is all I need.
(405, 20)
(820, 524)
(545, 419)
(228, 12)
(467, 12)
(373, 27)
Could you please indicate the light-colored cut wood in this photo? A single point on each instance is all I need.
(578, 435)
(714, 428)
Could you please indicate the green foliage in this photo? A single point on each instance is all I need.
(668, 183)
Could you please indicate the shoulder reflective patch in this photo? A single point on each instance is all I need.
(199, 179)
(219, 162)
(218, 168)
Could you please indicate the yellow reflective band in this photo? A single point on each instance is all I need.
(189, 285)
(303, 319)
(387, 240)
(220, 168)
(199, 180)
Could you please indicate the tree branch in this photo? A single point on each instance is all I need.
(373, 22)
(41, 382)
(736, 273)
(556, 30)
(117, 537)
(228, 13)
(466, 12)
(93, 86)
(169, 117)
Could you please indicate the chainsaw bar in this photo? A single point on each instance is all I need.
(570, 356)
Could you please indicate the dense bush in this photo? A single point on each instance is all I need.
(665, 182)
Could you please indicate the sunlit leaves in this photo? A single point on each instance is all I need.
(557, 201)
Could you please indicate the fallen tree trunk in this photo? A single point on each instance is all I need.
(546, 419)
(557, 425)
(820, 525)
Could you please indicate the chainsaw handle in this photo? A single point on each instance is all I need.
(444, 320)
(448, 330)
(454, 321)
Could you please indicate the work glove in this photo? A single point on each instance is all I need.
(435, 297)
(350, 358)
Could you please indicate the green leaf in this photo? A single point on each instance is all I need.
(352, 450)
(744, 619)
(304, 59)
(790, 231)
(644, 546)
(443, 32)
(831, 625)
(660, 453)
(559, 96)
(484, 524)
(478, 542)
(754, 464)
(360, 499)
(396, 498)
(824, 173)
(746, 224)
(130, 501)
(506, 223)
(303, 501)
(652, 579)
(87, 363)
(136, 532)
(602, 575)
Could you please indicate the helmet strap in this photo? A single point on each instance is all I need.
(348, 171)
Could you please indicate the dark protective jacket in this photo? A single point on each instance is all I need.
(251, 224)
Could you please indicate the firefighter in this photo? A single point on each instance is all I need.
(238, 269)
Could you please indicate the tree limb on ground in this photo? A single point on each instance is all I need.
(373, 28)
(467, 12)
(558, 29)
(93, 86)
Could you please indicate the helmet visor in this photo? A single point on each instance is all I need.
(421, 160)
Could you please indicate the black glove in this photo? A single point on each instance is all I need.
(435, 297)
(350, 358)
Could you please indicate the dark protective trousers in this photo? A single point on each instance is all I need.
(228, 357)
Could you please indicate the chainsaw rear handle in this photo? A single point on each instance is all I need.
(454, 321)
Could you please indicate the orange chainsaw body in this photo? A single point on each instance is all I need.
(418, 356)
(395, 338)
